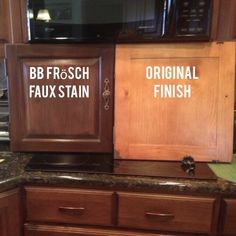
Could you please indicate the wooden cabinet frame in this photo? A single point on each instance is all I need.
(134, 112)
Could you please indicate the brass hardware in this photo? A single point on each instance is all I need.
(106, 94)
(72, 210)
(166, 216)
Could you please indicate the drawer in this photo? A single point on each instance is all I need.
(229, 217)
(69, 206)
(51, 230)
(165, 212)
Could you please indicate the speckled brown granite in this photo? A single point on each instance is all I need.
(12, 174)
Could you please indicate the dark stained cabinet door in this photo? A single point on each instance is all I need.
(10, 214)
(61, 97)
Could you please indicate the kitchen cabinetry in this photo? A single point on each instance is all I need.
(10, 224)
(155, 120)
(69, 206)
(45, 230)
(165, 212)
(229, 217)
(10, 27)
(120, 210)
(227, 20)
(77, 116)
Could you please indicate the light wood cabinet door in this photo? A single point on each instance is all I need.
(10, 214)
(161, 114)
(4, 21)
(77, 116)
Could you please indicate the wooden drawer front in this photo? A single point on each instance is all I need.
(69, 206)
(163, 212)
(229, 217)
(46, 230)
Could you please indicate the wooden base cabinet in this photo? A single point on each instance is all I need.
(50, 230)
(10, 223)
(50, 212)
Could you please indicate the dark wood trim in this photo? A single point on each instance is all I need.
(216, 216)
(11, 22)
(15, 21)
(56, 230)
(24, 139)
(227, 21)
(215, 19)
(23, 6)
(10, 213)
(2, 54)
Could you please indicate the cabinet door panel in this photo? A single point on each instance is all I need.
(10, 214)
(227, 20)
(229, 217)
(160, 126)
(65, 117)
(73, 117)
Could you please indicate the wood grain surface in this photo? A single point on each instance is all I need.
(148, 127)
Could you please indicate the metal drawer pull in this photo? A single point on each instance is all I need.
(166, 216)
(72, 210)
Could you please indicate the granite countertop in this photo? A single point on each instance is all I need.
(13, 174)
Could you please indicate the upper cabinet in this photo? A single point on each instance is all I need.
(10, 23)
(174, 100)
(5, 35)
(227, 21)
(61, 97)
